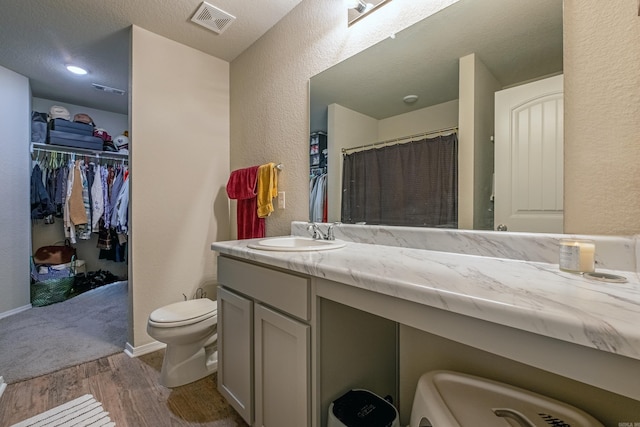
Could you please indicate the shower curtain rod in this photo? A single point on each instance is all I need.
(389, 141)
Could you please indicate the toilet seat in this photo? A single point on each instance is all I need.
(183, 313)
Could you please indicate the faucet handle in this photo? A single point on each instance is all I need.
(330, 235)
(314, 230)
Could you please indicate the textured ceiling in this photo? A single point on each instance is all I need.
(516, 40)
(38, 37)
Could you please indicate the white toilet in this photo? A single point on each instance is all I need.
(189, 328)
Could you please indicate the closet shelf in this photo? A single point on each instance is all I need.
(52, 148)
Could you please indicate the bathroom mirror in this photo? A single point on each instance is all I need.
(517, 41)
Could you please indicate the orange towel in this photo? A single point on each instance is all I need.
(267, 189)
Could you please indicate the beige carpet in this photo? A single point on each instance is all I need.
(81, 329)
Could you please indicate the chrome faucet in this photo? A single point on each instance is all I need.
(330, 235)
(317, 234)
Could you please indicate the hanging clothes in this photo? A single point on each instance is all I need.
(113, 227)
(317, 198)
(41, 205)
(77, 211)
(92, 198)
(97, 199)
(120, 222)
(84, 230)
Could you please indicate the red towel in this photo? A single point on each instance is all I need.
(242, 187)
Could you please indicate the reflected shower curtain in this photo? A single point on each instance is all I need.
(411, 184)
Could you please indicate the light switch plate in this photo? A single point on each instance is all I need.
(281, 200)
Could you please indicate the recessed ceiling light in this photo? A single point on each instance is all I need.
(410, 99)
(76, 70)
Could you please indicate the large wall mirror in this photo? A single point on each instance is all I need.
(360, 101)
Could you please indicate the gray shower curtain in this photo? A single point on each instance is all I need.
(411, 184)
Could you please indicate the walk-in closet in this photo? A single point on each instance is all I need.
(79, 193)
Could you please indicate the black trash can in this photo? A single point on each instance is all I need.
(362, 408)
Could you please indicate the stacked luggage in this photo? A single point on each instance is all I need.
(73, 134)
(57, 128)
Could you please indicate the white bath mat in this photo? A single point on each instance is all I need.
(84, 411)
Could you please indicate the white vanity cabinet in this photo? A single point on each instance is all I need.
(379, 317)
(235, 358)
(264, 343)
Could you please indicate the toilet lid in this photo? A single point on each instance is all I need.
(184, 310)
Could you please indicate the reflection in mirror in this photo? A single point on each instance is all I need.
(454, 62)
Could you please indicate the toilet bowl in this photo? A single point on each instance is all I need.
(189, 329)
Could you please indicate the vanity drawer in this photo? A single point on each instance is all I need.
(286, 292)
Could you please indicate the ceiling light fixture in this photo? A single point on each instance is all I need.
(410, 99)
(76, 70)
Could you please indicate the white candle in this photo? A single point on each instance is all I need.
(577, 255)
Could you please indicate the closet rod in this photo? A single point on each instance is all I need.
(389, 141)
(80, 151)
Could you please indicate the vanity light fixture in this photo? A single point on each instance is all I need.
(359, 5)
(358, 9)
(76, 70)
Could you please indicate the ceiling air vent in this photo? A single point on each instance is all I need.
(108, 89)
(212, 18)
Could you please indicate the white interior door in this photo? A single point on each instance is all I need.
(529, 157)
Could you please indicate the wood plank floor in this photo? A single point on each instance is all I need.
(128, 389)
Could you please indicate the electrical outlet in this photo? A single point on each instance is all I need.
(281, 202)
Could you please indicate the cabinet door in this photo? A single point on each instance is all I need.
(235, 350)
(282, 370)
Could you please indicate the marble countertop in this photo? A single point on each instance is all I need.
(531, 296)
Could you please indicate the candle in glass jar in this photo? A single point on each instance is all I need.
(578, 255)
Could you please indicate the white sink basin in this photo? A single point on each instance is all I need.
(296, 244)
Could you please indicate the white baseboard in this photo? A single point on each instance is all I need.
(3, 385)
(132, 351)
(15, 311)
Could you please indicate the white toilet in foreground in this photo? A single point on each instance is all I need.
(189, 328)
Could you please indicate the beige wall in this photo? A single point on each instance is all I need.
(269, 88)
(441, 116)
(15, 172)
(475, 148)
(269, 107)
(466, 164)
(602, 117)
(180, 164)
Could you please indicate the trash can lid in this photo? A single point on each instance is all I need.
(362, 408)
